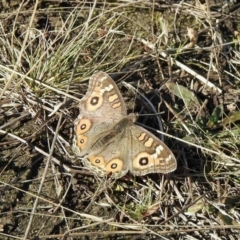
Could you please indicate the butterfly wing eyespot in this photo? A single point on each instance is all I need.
(97, 161)
(83, 126)
(143, 161)
(81, 141)
(114, 166)
(94, 101)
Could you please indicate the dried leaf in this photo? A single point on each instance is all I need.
(192, 34)
(152, 209)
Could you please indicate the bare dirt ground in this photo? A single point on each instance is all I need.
(183, 57)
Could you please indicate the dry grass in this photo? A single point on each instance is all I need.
(178, 59)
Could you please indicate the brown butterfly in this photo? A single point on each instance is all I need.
(108, 138)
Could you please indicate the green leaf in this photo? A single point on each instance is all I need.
(183, 93)
(213, 121)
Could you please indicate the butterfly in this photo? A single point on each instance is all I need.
(109, 140)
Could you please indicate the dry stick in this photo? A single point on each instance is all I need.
(21, 52)
(222, 155)
(100, 220)
(13, 71)
(184, 67)
(177, 117)
(48, 160)
(110, 233)
(42, 180)
(44, 174)
(39, 82)
(90, 15)
(89, 217)
(8, 236)
(11, 77)
(68, 169)
(14, 120)
(182, 210)
(84, 215)
(64, 101)
(93, 234)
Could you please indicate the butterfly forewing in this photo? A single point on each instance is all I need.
(103, 98)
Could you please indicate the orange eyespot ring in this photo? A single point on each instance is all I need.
(97, 161)
(114, 165)
(81, 141)
(83, 126)
(94, 102)
(142, 161)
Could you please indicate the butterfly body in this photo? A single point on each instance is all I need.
(108, 139)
